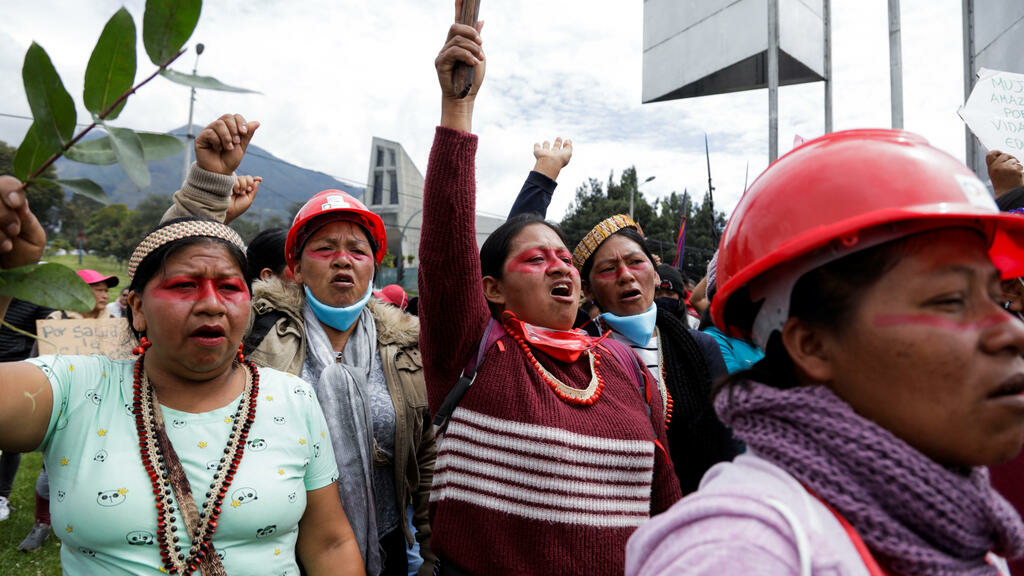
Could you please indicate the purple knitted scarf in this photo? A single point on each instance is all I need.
(916, 516)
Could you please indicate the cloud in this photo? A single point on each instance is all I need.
(334, 74)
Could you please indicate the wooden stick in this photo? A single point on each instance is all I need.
(462, 74)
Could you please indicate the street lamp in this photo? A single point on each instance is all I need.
(191, 105)
(631, 192)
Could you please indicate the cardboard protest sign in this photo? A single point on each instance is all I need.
(107, 336)
(995, 111)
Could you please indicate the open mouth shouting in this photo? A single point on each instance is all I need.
(630, 296)
(208, 335)
(562, 291)
(343, 281)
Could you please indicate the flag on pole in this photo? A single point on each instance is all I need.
(680, 244)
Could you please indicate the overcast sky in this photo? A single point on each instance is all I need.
(335, 73)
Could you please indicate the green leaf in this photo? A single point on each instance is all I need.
(111, 69)
(203, 82)
(101, 153)
(30, 155)
(52, 107)
(52, 285)
(98, 152)
(81, 186)
(167, 25)
(128, 149)
(157, 146)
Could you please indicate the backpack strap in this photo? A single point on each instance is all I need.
(260, 327)
(491, 335)
(626, 357)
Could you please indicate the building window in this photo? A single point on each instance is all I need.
(393, 185)
(380, 156)
(378, 188)
(391, 157)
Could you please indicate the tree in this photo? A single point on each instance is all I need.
(109, 81)
(113, 231)
(594, 202)
(150, 210)
(74, 215)
(45, 199)
(702, 236)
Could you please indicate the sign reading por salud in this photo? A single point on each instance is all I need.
(995, 111)
(107, 336)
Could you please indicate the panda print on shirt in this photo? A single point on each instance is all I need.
(103, 504)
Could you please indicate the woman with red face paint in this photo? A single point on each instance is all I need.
(189, 459)
(555, 453)
(892, 377)
(360, 355)
(619, 274)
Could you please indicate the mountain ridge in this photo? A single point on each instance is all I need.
(283, 184)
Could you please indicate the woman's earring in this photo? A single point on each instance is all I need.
(144, 345)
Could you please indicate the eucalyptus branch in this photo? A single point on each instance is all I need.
(15, 329)
(103, 116)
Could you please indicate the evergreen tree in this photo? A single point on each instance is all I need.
(594, 202)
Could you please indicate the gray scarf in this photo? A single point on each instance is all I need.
(340, 385)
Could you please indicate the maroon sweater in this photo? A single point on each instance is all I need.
(525, 483)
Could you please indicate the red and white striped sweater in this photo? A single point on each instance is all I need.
(525, 483)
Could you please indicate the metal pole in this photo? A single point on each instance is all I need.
(773, 80)
(895, 65)
(826, 17)
(637, 189)
(401, 239)
(188, 129)
(968, 22)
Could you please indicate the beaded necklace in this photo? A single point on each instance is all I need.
(580, 397)
(666, 396)
(150, 428)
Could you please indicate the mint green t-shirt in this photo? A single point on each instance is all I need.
(101, 499)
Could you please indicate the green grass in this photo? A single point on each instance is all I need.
(105, 266)
(46, 561)
(14, 529)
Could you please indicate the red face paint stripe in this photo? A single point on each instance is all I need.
(195, 288)
(525, 263)
(891, 320)
(619, 266)
(335, 255)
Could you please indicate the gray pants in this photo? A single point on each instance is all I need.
(43, 484)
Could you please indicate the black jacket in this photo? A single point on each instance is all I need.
(693, 362)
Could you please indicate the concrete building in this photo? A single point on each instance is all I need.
(394, 190)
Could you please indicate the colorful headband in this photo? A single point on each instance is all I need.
(177, 231)
(592, 241)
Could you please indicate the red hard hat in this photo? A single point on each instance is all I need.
(332, 202)
(838, 194)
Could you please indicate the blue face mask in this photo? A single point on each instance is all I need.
(338, 318)
(637, 328)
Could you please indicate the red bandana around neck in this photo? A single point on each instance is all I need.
(562, 345)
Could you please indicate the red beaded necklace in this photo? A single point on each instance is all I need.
(666, 396)
(580, 397)
(148, 418)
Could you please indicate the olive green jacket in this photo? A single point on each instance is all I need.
(284, 348)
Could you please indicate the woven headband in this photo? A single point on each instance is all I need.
(177, 231)
(592, 241)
